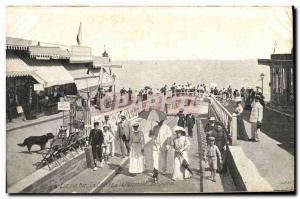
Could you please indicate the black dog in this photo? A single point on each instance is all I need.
(38, 140)
(155, 176)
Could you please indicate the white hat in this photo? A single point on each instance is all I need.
(105, 125)
(135, 124)
(179, 128)
(123, 114)
(238, 99)
(212, 119)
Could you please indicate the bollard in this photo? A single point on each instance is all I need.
(234, 129)
(89, 157)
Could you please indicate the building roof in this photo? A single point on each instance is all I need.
(17, 43)
(278, 60)
(47, 72)
(100, 61)
(41, 52)
(16, 67)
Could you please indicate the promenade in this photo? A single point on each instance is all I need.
(271, 160)
(143, 183)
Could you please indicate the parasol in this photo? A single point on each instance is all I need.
(153, 115)
(185, 164)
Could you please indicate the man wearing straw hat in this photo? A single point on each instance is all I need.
(210, 128)
(161, 135)
(240, 123)
(124, 131)
(256, 117)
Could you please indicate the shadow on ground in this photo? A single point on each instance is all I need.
(277, 126)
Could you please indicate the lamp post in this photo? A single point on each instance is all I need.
(262, 82)
(114, 78)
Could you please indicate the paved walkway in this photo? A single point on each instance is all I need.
(273, 161)
(142, 183)
(18, 123)
(90, 181)
(16, 154)
(224, 181)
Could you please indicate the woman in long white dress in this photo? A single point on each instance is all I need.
(136, 156)
(181, 146)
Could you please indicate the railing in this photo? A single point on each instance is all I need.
(228, 120)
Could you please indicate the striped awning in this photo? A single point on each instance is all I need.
(81, 59)
(16, 67)
(53, 75)
(17, 43)
(100, 61)
(44, 52)
(45, 72)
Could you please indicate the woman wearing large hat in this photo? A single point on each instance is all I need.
(181, 145)
(136, 155)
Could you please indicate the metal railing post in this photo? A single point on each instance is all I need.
(234, 129)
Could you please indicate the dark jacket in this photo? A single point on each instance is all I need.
(181, 120)
(190, 121)
(124, 130)
(96, 137)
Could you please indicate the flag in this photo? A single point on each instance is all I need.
(79, 35)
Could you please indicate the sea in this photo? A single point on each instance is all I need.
(136, 74)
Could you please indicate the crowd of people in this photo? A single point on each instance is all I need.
(131, 142)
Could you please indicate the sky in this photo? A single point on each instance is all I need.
(160, 33)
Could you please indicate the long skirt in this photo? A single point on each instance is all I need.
(136, 159)
(180, 173)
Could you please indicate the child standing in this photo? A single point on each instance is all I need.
(213, 153)
(108, 139)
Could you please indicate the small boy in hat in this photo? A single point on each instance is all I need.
(108, 138)
(213, 154)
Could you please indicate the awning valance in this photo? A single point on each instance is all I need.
(82, 84)
(45, 72)
(100, 61)
(81, 59)
(16, 67)
(48, 52)
(17, 43)
(53, 75)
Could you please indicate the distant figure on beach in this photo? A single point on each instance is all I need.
(229, 92)
(129, 94)
(256, 117)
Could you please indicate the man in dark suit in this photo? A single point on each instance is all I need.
(124, 131)
(190, 122)
(96, 140)
(181, 118)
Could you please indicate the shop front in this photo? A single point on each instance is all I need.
(33, 87)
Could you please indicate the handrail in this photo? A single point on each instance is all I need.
(221, 106)
(228, 120)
